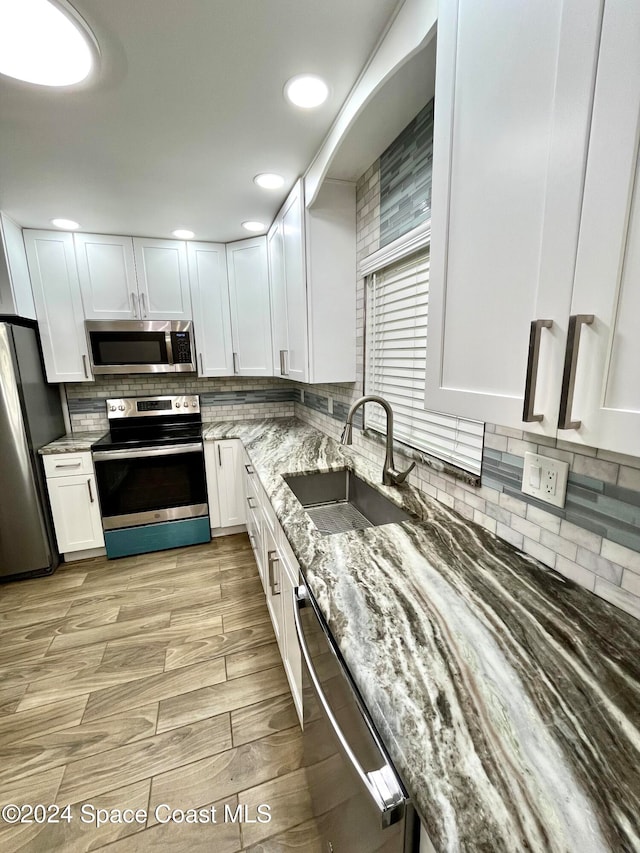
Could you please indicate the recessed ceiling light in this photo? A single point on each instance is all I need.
(67, 224)
(306, 91)
(183, 234)
(44, 42)
(251, 225)
(269, 180)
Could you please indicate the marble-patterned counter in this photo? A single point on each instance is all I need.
(74, 442)
(507, 696)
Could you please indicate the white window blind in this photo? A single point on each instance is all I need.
(397, 315)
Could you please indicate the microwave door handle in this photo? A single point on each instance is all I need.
(169, 345)
(381, 784)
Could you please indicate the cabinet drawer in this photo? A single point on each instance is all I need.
(67, 464)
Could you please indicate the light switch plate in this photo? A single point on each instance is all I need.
(545, 478)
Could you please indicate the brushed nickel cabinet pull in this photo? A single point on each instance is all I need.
(84, 365)
(90, 491)
(283, 367)
(251, 506)
(235, 362)
(248, 469)
(576, 322)
(143, 307)
(273, 558)
(133, 304)
(532, 370)
(219, 456)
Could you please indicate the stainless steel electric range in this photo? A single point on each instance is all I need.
(151, 475)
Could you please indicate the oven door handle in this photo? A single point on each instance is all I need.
(169, 450)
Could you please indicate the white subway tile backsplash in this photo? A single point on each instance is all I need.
(539, 552)
(509, 535)
(619, 554)
(599, 469)
(622, 598)
(631, 581)
(559, 545)
(513, 504)
(599, 565)
(580, 536)
(544, 519)
(527, 528)
(575, 572)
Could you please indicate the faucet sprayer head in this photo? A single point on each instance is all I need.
(346, 434)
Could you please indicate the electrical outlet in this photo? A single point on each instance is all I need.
(545, 478)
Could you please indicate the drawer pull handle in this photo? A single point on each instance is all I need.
(251, 506)
(273, 558)
(537, 326)
(248, 469)
(69, 465)
(576, 322)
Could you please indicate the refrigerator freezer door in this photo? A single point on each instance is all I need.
(24, 543)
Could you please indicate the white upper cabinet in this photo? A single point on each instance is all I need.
(313, 278)
(163, 279)
(605, 353)
(210, 300)
(15, 286)
(514, 88)
(56, 292)
(107, 274)
(250, 307)
(536, 222)
(296, 356)
(124, 278)
(277, 284)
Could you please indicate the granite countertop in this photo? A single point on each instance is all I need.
(507, 696)
(74, 442)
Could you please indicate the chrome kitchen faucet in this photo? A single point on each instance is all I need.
(390, 475)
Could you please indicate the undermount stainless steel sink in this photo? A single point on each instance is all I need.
(337, 501)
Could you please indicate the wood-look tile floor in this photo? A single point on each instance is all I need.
(149, 681)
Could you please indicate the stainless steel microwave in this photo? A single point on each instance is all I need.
(141, 346)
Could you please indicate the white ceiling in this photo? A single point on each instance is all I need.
(188, 107)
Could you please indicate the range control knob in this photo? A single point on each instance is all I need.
(194, 404)
(112, 408)
(121, 407)
(177, 405)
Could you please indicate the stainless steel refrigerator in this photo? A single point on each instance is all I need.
(30, 416)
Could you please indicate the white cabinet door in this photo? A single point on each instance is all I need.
(297, 352)
(210, 300)
(606, 402)
(107, 274)
(273, 589)
(56, 292)
(514, 87)
(76, 513)
(279, 331)
(230, 491)
(292, 657)
(250, 309)
(163, 279)
(15, 286)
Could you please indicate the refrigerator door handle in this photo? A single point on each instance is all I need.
(381, 784)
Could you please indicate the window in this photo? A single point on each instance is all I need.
(397, 314)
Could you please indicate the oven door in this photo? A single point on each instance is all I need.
(151, 485)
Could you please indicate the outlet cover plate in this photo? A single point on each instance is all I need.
(545, 478)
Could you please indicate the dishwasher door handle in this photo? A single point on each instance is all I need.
(382, 784)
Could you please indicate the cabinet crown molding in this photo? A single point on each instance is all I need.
(404, 246)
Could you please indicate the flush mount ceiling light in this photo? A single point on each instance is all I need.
(183, 234)
(269, 181)
(306, 91)
(45, 42)
(67, 224)
(252, 225)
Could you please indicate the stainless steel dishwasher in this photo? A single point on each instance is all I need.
(359, 803)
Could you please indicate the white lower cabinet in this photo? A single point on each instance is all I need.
(279, 574)
(224, 484)
(73, 496)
